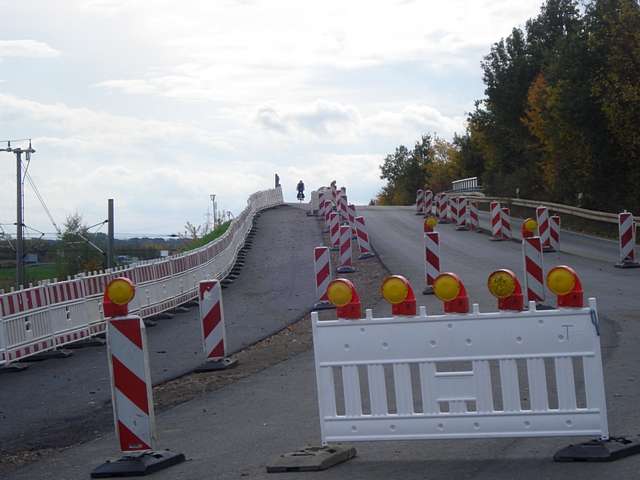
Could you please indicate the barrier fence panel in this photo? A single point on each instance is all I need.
(40, 318)
(479, 375)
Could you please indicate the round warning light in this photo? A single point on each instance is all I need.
(395, 289)
(502, 283)
(340, 292)
(561, 280)
(431, 221)
(446, 287)
(121, 291)
(530, 225)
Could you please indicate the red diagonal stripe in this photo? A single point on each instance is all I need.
(130, 385)
(218, 350)
(433, 260)
(128, 440)
(533, 269)
(211, 319)
(319, 252)
(626, 236)
(130, 328)
(322, 274)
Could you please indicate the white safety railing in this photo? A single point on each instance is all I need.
(51, 315)
(478, 375)
(465, 185)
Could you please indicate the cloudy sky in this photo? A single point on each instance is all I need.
(158, 103)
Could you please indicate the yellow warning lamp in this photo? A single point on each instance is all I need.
(449, 288)
(430, 224)
(504, 285)
(565, 283)
(529, 228)
(343, 295)
(397, 290)
(119, 292)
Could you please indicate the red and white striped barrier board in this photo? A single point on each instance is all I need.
(214, 337)
(428, 202)
(542, 217)
(431, 259)
(322, 268)
(442, 208)
(474, 216)
(419, 201)
(328, 210)
(496, 221)
(131, 384)
(533, 269)
(22, 300)
(554, 232)
(351, 210)
(627, 240)
(321, 204)
(451, 215)
(344, 209)
(364, 246)
(346, 254)
(463, 214)
(68, 291)
(334, 230)
(505, 219)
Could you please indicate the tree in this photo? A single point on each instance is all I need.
(76, 253)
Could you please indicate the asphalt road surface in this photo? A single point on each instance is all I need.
(59, 402)
(234, 432)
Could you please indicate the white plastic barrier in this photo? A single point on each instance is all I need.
(479, 375)
(41, 318)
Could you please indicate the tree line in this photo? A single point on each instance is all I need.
(559, 121)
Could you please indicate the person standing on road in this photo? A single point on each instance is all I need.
(300, 189)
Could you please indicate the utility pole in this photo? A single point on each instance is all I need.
(20, 280)
(110, 233)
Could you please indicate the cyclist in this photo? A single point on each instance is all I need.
(300, 189)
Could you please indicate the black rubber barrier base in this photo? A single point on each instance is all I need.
(89, 342)
(58, 353)
(215, 365)
(627, 265)
(311, 459)
(599, 450)
(138, 465)
(428, 290)
(323, 306)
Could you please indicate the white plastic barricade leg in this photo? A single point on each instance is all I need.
(554, 232)
(334, 232)
(419, 201)
(496, 221)
(533, 269)
(443, 386)
(346, 252)
(322, 269)
(542, 217)
(214, 334)
(364, 245)
(627, 241)
(431, 259)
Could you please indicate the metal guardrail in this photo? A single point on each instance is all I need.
(556, 207)
(52, 314)
(465, 185)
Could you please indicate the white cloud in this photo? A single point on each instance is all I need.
(26, 49)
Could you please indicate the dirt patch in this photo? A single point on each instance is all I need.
(289, 342)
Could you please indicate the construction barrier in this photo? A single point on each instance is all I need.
(428, 203)
(463, 214)
(542, 217)
(346, 252)
(364, 245)
(627, 241)
(554, 232)
(322, 269)
(474, 216)
(533, 262)
(351, 210)
(419, 202)
(53, 314)
(505, 220)
(431, 259)
(328, 209)
(474, 375)
(442, 208)
(334, 230)
(496, 221)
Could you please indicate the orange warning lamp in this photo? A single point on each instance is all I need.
(119, 292)
(397, 290)
(430, 224)
(565, 283)
(450, 289)
(504, 285)
(343, 295)
(529, 228)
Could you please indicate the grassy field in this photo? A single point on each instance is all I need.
(33, 273)
(208, 238)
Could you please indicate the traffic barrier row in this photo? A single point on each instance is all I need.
(53, 314)
(464, 374)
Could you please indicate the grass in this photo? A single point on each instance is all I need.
(33, 273)
(217, 232)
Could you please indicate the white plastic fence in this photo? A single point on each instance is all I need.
(51, 315)
(480, 375)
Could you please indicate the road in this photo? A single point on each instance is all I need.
(237, 430)
(59, 402)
